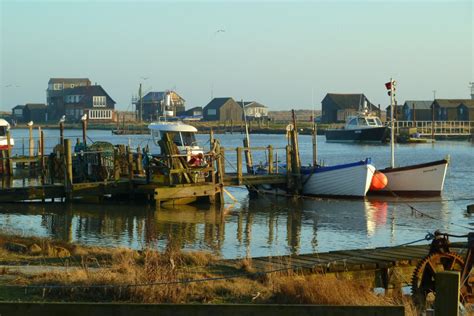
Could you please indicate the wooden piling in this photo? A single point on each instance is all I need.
(447, 293)
(68, 163)
(289, 169)
(42, 157)
(239, 165)
(270, 159)
(139, 161)
(84, 133)
(61, 133)
(314, 135)
(8, 152)
(31, 145)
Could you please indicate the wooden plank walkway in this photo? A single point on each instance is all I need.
(386, 266)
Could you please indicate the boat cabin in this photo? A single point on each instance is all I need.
(183, 135)
(363, 121)
(4, 127)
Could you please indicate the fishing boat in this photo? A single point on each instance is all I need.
(183, 136)
(414, 180)
(4, 127)
(344, 180)
(364, 127)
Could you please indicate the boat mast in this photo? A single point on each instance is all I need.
(392, 125)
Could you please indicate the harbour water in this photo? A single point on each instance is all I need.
(267, 225)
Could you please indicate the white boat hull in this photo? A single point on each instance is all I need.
(422, 179)
(351, 180)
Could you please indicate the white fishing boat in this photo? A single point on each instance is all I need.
(420, 179)
(344, 180)
(4, 127)
(183, 136)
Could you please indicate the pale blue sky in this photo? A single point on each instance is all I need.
(272, 52)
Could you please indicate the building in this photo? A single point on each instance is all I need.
(193, 112)
(54, 94)
(91, 100)
(453, 109)
(17, 113)
(154, 105)
(398, 114)
(417, 111)
(223, 109)
(254, 110)
(36, 112)
(337, 107)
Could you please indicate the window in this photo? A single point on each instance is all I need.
(362, 121)
(353, 121)
(57, 86)
(211, 112)
(99, 101)
(188, 138)
(3, 130)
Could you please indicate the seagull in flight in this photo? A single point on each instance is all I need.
(220, 31)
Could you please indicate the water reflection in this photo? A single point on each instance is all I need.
(256, 227)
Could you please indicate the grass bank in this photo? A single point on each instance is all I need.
(99, 274)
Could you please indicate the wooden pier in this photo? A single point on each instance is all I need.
(103, 170)
(437, 129)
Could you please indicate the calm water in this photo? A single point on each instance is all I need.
(267, 225)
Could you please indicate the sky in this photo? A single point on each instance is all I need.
(282, 54)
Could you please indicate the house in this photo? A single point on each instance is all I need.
(417, 111)
(337, 107)
(91, 100)
(466, 110)
(55, 93)
(17, 113)
(223, 109)
(154, 105)
(254, 110)
(452, 109)
(398, 114)
(193, 112)
(35, 112)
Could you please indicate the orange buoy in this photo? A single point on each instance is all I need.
(379, 181)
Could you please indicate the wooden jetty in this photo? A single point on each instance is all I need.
(384, 267)
(437, 129)
(102, 170)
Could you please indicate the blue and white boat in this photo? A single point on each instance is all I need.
(345, 180)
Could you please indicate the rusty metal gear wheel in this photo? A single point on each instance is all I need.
(423, 280)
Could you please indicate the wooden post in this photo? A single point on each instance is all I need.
(68, 163)
(221, 172)
(84, 133)
(139, 161)
(39, 142)
(61, 133)
(130, 164)
(116, 165)
(295, 159)
(211, 139)
(289, 171)
(222, 155)
(239, 165)
(9, 154)
(315, 144)
(270, 159)
(447, 293)
(42, 157)
(432, 121)
(31, 142)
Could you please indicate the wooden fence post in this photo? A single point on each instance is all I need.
(447, 293)
(68, 163)
(270, 159)
(42, 162)
(239, 165)
(9, 154)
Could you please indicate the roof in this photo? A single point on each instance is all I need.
(4, 123)
(172, 127)
(216, 103)
(35, 106)
(251, 104)
(159, 95)
(454, 103)
(349, 100)
(67, 80)
(199, 108)
(419, 105)
(19, 106)
(87, 92)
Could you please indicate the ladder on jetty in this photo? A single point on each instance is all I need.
(438, 128)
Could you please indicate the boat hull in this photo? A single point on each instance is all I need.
(369, 135)
(425, 179)
(349, 180)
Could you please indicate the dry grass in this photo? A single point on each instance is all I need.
(126, 270)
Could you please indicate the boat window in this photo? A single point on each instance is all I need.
(371, 122)
(176, 138)
(188, 138)
(362, 121)
(3, 131)
(379, 122)
(353, 121)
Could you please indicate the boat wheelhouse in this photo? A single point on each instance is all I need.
(183, 136)
(4, 127)
(363, 127)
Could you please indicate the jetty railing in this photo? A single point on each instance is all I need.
(438, 128)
